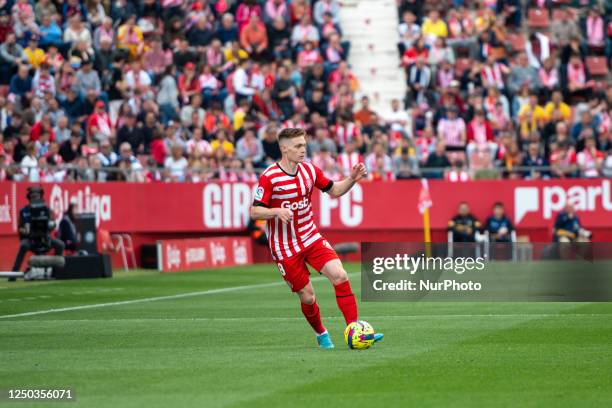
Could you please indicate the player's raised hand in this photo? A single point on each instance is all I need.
(285, 214)
(358, 172)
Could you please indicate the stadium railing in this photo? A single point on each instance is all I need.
(70, 172)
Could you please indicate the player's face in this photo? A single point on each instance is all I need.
(294, 149)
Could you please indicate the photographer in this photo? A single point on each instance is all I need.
(35, 226)
(67, 229)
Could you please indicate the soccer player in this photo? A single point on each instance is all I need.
(283, 198)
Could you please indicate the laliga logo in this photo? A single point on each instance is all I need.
(5, 210)
(173, 255)
(240, 253)
(555, 198)
(217, 253)
(298, 205)
(86, 202)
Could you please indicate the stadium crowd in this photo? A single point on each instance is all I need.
(172, 90)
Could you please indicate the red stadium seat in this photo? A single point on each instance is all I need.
(597, 66)
(517, 42)
(462, 65)
(538, 19)
(557, 14)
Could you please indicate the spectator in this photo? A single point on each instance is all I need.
(283, 92)
(419, 80)
(564, 28)
(104, 32)
(563, 160)
(434, 27)
(405, 165)
(43, 82)
(250, 147)
(33, 54)
(590, 160)
(227, 31)
(568, 227)
(452, 131)
(578, 82)
(275, 9)
(523, 74)
(537, 49)
(534, 158)
(21, 83)
(244, 12)
(240, 81)
(131, 168)
(176, 164)
(499, 225)
(254, 38)
(222, 144)
(107, 157)
(409, 31)
(326, 6)
(279, 39)
(130, 134)
(130, 37)
(594, 28)
(464, 225)
(200, 35)
(304, 32)
(87, 81)
(549, 75)
(378, 160)
(156, 59)
(29, 164)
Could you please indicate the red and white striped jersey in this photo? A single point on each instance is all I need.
(279, 189)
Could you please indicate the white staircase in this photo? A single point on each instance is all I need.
(371, 27)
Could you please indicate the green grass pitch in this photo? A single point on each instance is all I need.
(241, 341)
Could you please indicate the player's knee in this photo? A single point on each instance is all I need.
(340, 277)
(307, 298)
(307, 295)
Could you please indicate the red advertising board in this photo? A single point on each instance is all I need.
(221, 207)
(187, 254)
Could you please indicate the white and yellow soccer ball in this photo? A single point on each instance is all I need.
(359, 335)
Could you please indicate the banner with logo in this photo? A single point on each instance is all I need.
(188, 254)
(220, 207)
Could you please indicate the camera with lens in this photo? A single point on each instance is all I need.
(38, 230)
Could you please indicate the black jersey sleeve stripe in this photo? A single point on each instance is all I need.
(328, 186)
(259, 204)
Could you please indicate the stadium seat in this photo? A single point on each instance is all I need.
(462, 65)
(517, 42)
(538, 19)
(597, 65)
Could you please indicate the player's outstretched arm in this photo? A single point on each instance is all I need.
(342, 187)
(263, 213)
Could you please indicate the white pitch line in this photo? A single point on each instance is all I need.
(152, 299)
(143, 300)
(272, 318)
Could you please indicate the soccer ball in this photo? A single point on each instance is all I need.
(359, 335)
